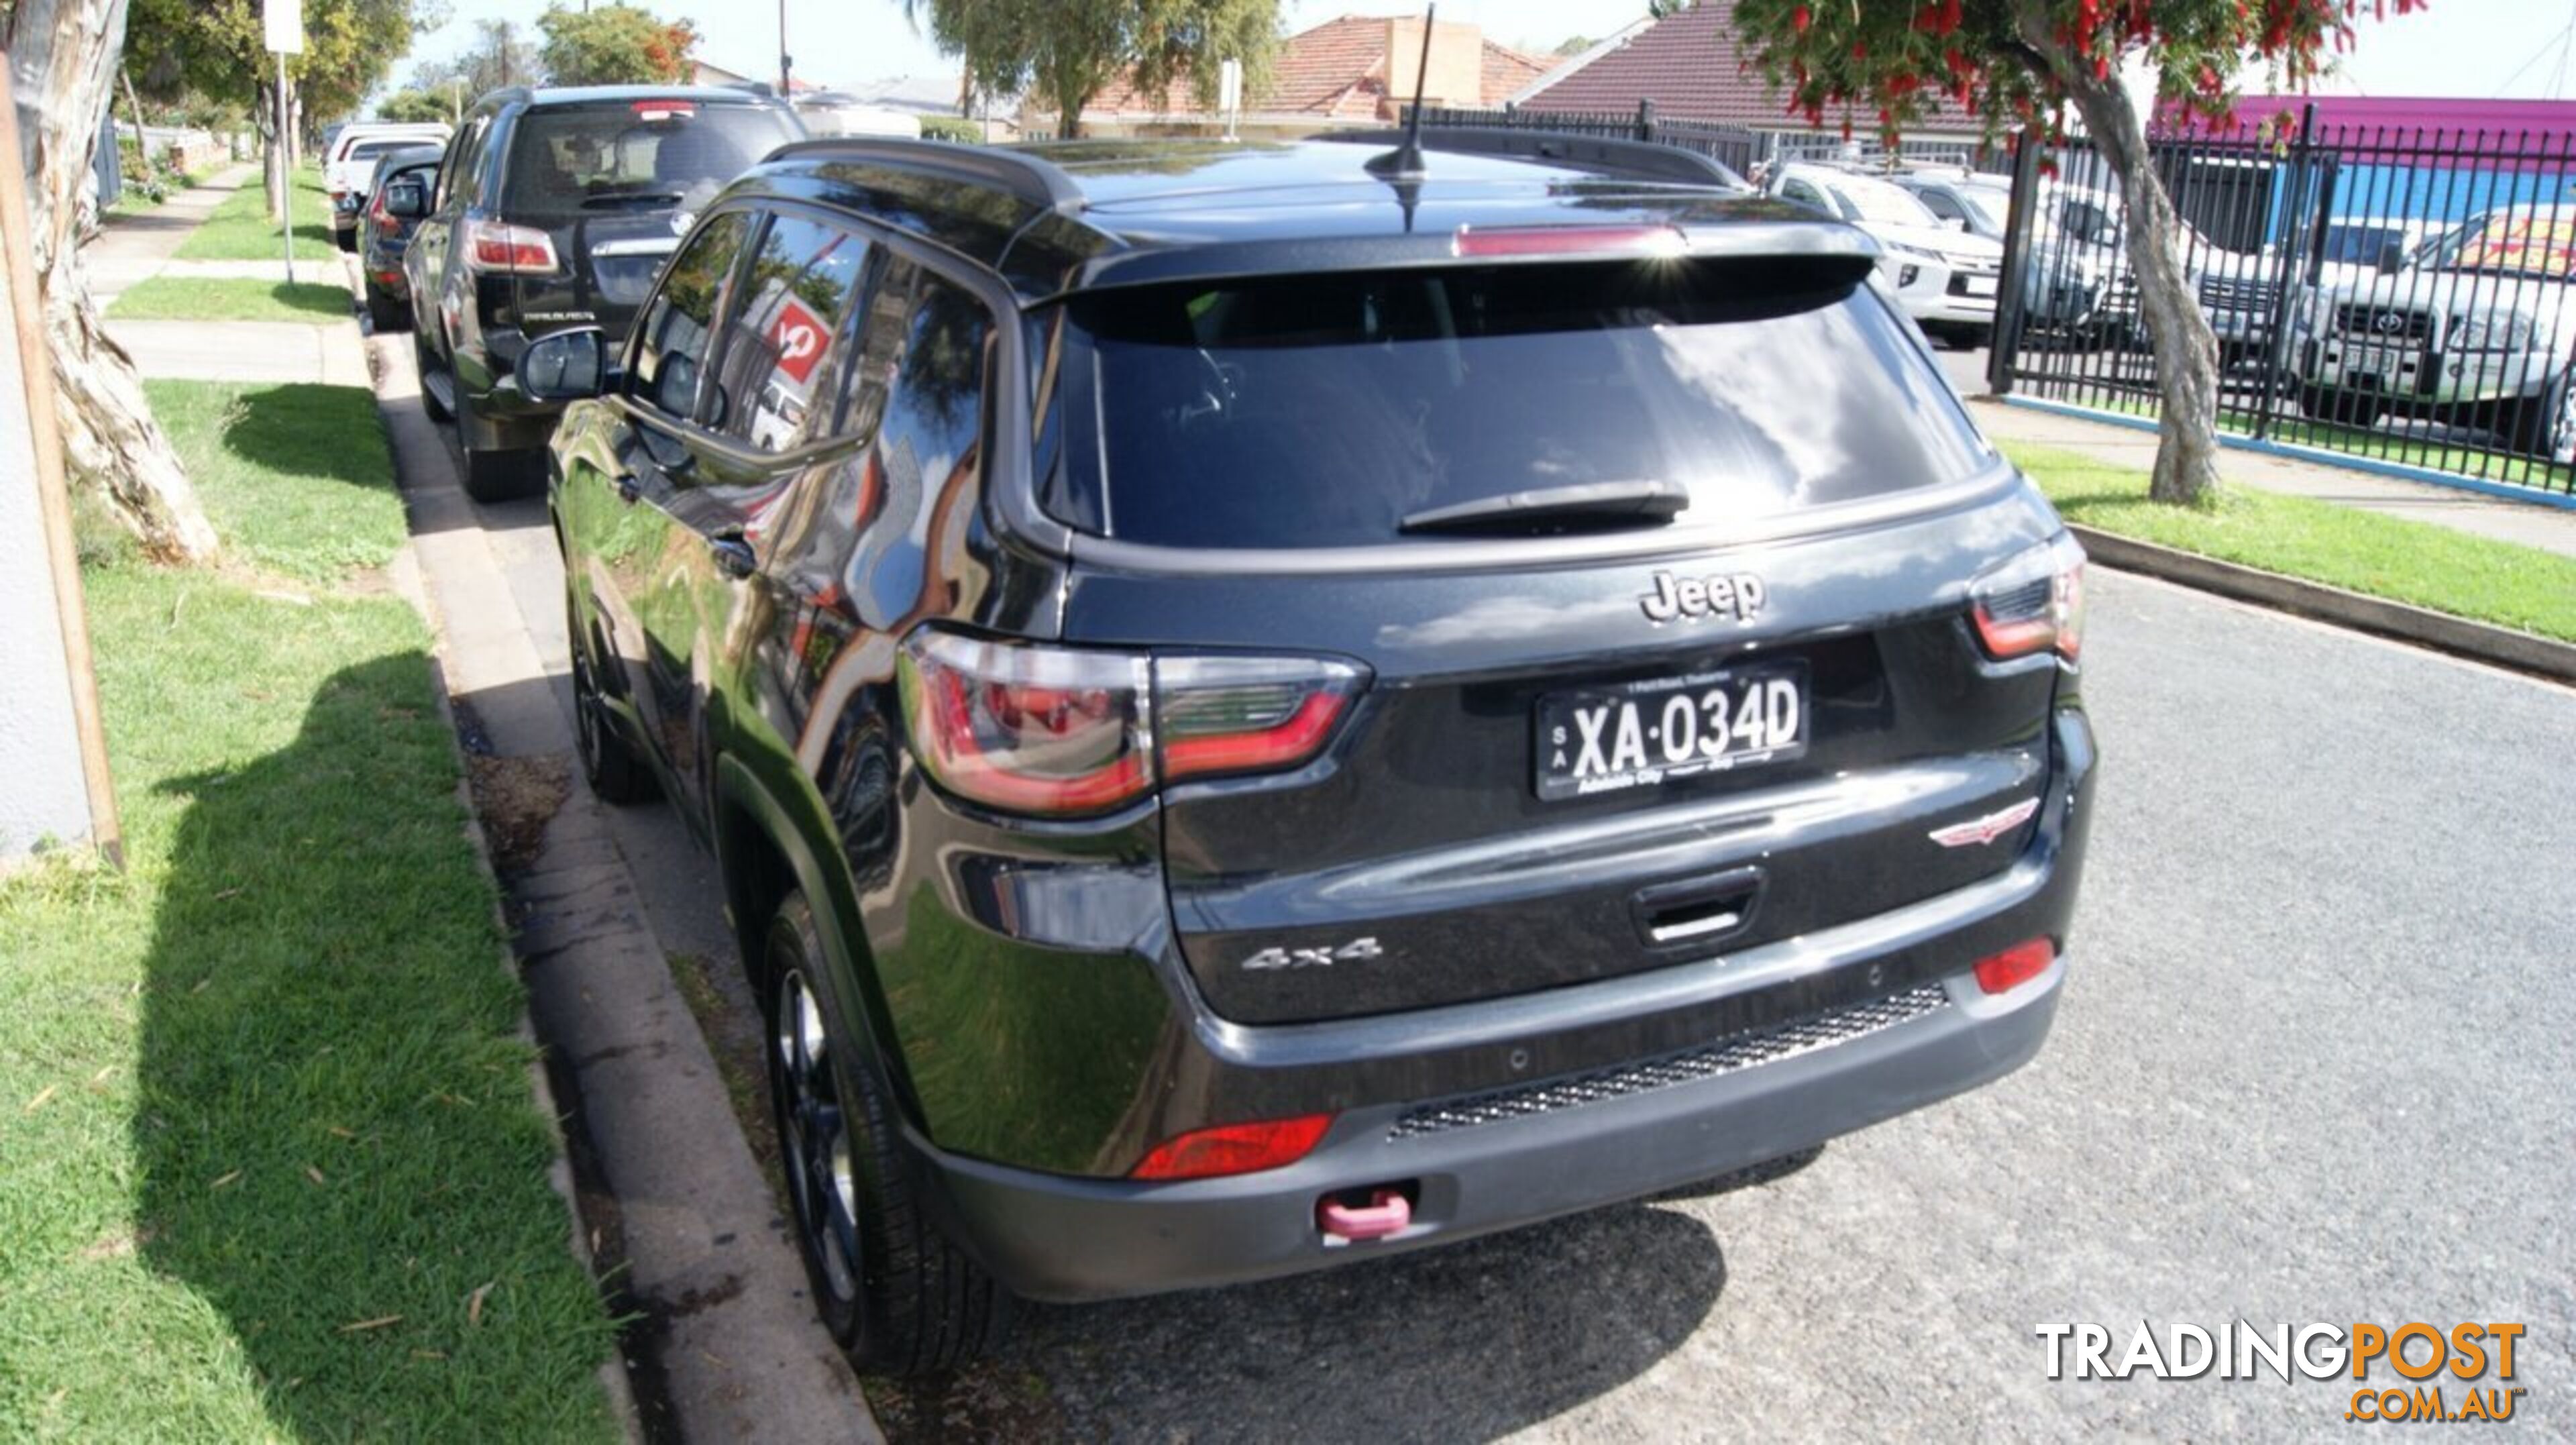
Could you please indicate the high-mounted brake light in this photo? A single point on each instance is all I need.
(1234, 1148)
(1494, 241)
(665, 109)
(2003, 972)
(2033, 602)
(518, 250)
(1065, 732)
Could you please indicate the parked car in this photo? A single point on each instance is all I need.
(557, 208)
(2061, 285)
(384, 236)
(830, 112)
(2481, 331)
(1945, 278)
(1257, 708)
(349, 161)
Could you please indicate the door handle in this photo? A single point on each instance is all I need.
(733, 555)
(628, 489)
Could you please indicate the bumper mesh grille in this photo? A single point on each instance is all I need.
(1705, 1062)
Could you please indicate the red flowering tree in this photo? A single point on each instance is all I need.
(2019, 63)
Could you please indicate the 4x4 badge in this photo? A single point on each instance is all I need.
(1738, 595)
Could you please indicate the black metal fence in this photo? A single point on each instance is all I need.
(1742, 149)
(2407, 296)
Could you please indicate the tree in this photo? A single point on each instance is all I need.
(1066, 51)
(411, 106)
(499, 56)
(215, 47)
(63, 56)
(2020, 62)
(615, 45)
(1572, 46)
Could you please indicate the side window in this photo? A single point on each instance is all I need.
(1941, 205)
(934, 409)
(800, 285)
(671, 342)
(456, 177)
(1801, 191)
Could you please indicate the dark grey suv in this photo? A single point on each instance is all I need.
(1265, 706)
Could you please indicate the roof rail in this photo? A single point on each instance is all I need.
(1038, 182)
(1643, 159)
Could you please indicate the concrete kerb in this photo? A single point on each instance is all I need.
(2456, 636)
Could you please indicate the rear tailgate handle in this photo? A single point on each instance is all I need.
(1697, 910)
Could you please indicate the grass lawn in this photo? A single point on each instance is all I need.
(2491, 464)
(177, 298)
(2415, 562)
(270, 1166)
(240, 229)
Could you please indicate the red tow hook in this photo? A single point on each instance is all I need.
(1386, 1213)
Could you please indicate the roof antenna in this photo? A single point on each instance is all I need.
(1405, 161)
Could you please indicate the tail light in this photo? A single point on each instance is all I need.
(376, 209)
(2015, 966)
(2034, 602)
(1065, 732)
(1234, 1148)
(516, 250)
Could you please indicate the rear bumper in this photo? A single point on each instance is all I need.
(1054, 1238)
(1897, 1022)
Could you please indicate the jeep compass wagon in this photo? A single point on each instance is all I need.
(1266, 706)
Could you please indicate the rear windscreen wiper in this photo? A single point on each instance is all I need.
(1637, 503)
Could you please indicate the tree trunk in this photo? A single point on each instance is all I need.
(2186, 353)
(62, 59)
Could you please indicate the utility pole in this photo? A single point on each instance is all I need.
(785, 91)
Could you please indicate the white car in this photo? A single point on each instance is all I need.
(351, 163)
(2480, 330)
(1945, 278)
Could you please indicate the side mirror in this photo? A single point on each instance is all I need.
(2392, 258)
(407, 199)
(566, 366)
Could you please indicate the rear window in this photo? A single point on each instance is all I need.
(369, 149)
(647, 153)
(1322, 410)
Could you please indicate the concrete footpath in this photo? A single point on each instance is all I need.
(2532, 524)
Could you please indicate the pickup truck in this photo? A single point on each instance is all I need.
(2477, 331)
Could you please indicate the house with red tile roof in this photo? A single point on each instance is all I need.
(1692, 66)
(1358, 70)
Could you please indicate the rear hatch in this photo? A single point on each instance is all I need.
(1658, 576)
(614, 184)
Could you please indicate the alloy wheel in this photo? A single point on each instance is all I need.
(814, 1135)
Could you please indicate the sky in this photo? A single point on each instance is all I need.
(2516, 48)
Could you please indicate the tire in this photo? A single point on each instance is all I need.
(421, 363)
(2545, 428)
(346, 240)
(386, 314)
(895, 1293)
(609, 763)
(502, 476)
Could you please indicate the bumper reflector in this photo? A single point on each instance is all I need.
(1234, 1148)
(2015, 966)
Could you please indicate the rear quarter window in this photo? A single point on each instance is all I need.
(1322, 410)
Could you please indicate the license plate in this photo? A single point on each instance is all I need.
(1665, 729)
(1981, 285)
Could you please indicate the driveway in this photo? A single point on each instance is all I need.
(2312, 1066)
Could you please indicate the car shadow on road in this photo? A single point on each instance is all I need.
(1468, 1342)
(335, 1146)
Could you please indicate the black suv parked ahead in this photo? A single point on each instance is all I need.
(1258, 710)
(556, 208)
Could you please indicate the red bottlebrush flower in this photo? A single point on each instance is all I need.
(2101, 67)
(1799, 20)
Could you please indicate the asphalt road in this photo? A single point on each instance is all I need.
(2313, 1065)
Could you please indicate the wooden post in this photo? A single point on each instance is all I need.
(36, 366)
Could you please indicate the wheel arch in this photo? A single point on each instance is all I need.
(762, 854)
